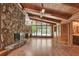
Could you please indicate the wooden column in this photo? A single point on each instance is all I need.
(64, 33)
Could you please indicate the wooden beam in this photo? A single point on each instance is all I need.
(45, 18)
(34, 12)
(33, 15)
(42, 20)
(50, 11)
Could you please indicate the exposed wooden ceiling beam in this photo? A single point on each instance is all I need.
(53, 20)
(45, 15)
(42, 20)
(51, 11)
(46, 18)
(33, 15)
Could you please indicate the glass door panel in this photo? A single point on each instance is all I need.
(43, 23)
(49, 31)
(33, 30)
(44, 30)
(39, 30)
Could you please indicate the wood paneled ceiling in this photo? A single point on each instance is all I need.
(63, 11)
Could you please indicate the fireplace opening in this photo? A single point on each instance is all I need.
(76, 40)
(17, 37)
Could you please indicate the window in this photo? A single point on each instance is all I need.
(44, 27)
(49, 31)
(33, 30)
(41, 28)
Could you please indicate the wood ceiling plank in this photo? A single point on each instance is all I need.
(31, 6)
(51, 11)
(76, 5)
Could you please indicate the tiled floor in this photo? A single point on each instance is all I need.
(44, 47)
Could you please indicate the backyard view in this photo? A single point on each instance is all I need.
(40, 28)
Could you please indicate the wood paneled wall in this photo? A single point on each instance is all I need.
(0, 24)
(74, 17)
(64, 33)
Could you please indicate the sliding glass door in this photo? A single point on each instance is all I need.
(41, 28)
(34, 30)
(44, 30)
(49, 31)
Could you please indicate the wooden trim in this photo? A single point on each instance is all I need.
(41, 36)
(44, 21)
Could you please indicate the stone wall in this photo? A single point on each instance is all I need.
(12, 21)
